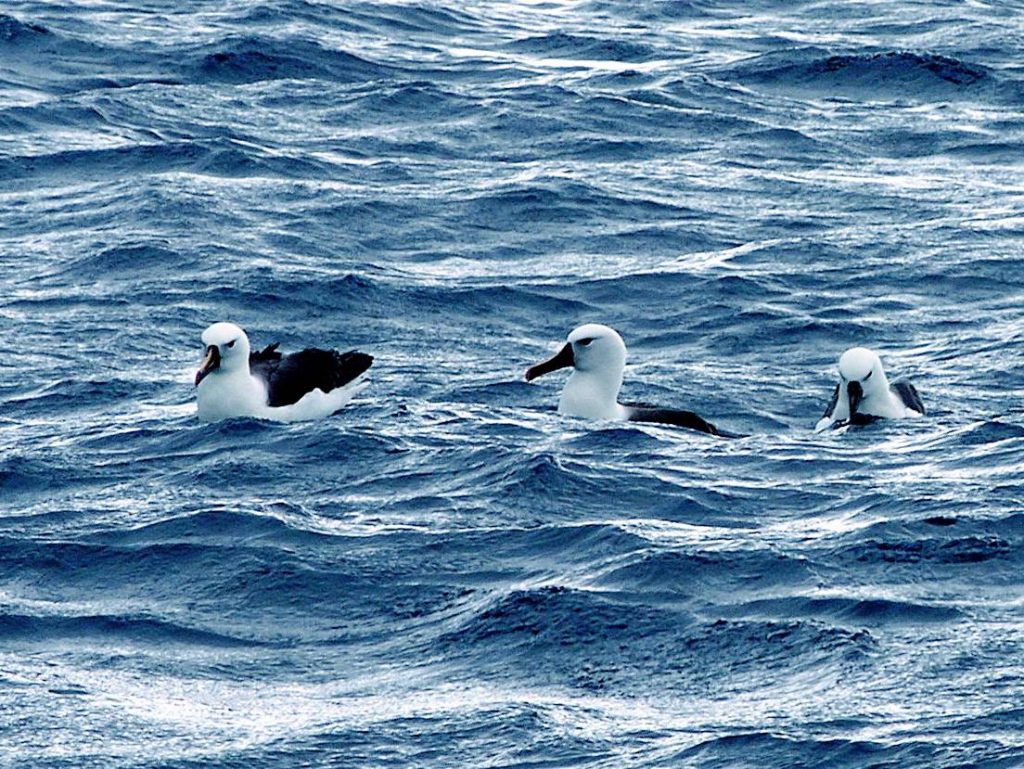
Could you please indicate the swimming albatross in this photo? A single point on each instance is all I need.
(864, 394)
(597, 356)
(232, 381)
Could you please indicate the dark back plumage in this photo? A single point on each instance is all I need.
(831, 407)
(289, 377)
(904, 390)
(908, 394)
(644, 412)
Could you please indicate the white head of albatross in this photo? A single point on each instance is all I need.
(232, 381)
(597, 355)
(225, 387)
(864, 393)
(227, 351)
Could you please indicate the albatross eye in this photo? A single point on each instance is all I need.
(231, 343)
(585, 342)
(872, 371)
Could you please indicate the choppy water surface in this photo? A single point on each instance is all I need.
(448, 573)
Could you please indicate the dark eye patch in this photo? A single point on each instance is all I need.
(586, 341)
(869, 375)
(231, 343)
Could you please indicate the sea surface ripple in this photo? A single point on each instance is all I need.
(448, 573)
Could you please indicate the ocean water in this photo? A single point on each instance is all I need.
(448, 573)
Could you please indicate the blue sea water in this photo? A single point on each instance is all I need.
(448, 573)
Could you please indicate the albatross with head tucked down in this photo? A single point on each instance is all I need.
(232, 381)
(597, 356)
(864, 394)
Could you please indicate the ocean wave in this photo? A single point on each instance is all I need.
(15, 32)
(963, 550)
(620, 645)
(733, 750)
(251, 60)
(427, 18)
(657, 10)
(867, 611)
(742, 190)
(116, 630)
(22, 474)
(906, 75)
(215, 157)
(709, 574)
(567, 45)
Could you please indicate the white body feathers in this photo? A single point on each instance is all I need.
(592, 389)
(862, 366)
(227, 388)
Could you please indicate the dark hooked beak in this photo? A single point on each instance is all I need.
(561, 360)
(855, 394)
(210, 363)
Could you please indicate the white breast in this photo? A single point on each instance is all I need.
(884, 404)
(223, 396)
(591, 397)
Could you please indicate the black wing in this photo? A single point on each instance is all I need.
(674, 417)
(289, 377)
(908, 394)
(830, 409)
(860, 420)
(268, 353)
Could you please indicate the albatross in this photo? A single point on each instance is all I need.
(597, 355)
(864, 394)
(233, 381)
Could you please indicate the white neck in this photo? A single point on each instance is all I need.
(879, 401)
(226, 394)
(883, 404)
(592, 394)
